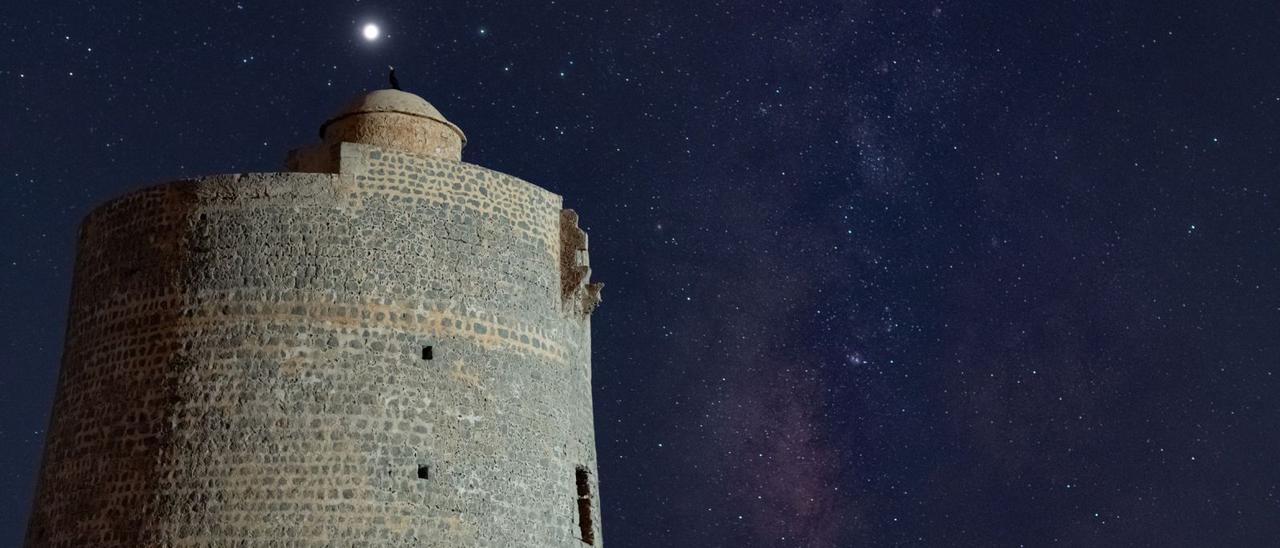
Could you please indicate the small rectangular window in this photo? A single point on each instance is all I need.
(583, 480)
(426, 353)
(424, 472)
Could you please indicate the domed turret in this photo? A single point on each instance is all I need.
(396, 120)
(382, 346)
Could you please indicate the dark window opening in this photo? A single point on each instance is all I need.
(426, 353)
(424, 472)
(583, 478)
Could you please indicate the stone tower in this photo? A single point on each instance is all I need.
(383, 346)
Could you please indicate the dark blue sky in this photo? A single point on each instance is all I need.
(891, 273)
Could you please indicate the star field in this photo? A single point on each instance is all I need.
(877, 273)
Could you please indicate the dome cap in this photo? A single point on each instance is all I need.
(395, 119)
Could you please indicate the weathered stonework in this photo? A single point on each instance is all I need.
(247, 364)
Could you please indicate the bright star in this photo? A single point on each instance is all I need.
(371, 32)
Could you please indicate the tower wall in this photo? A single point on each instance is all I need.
(245, 364)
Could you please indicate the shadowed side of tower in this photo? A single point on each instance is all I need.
(384, 346)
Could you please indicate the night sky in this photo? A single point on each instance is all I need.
(880, 272)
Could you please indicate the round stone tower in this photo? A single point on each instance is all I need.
(383, 346)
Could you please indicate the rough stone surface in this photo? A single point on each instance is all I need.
(245, 363)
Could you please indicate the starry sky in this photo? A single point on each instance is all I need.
(877, 272)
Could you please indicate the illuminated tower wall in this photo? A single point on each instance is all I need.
(383, 346)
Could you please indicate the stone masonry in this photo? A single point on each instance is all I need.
(384, 346)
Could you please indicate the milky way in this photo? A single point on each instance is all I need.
(876, 272)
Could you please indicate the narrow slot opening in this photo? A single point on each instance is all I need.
(424, 472)
(426, 353)
(583, 479)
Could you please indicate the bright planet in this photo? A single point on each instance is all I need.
(877, 273)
